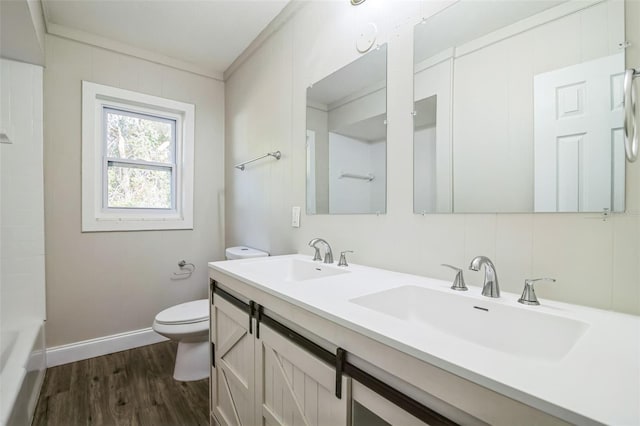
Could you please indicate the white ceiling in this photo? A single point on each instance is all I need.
(21, 39)
(209, 34)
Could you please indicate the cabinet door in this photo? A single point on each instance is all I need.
(370, 409)
(294, 387)
(232, 393)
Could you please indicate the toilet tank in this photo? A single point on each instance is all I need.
(242, 252)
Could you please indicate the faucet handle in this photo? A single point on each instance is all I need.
(316, 255)
(343, 258)
(529, 294)
(458, 281)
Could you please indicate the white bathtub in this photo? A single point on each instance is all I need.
(22, 368)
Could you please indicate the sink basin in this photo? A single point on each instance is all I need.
(290, 269)
(515, 330)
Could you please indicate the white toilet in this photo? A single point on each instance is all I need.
(188, 323)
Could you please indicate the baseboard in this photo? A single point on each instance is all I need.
(86, 349)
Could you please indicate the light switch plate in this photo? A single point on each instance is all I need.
(295, 216)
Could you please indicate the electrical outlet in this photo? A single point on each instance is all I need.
(295, 216)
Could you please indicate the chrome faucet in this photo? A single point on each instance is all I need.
(490, 287)
(328, 254)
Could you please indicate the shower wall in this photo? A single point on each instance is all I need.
(21, 196)
(22, 282)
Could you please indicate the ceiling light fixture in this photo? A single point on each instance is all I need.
(357, 2)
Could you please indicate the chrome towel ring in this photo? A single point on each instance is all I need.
(187, 269)
(630, 124)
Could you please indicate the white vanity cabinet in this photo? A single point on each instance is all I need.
(274, 363)
(260, 377)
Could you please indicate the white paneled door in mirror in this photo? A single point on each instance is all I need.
(578, 145)
(528, 114)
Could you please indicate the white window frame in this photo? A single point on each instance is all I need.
(96, 215)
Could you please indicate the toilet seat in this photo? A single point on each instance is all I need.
(185, 313)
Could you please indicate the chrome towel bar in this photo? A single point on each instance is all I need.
(630, 124)
(369, 177)
(275, 154)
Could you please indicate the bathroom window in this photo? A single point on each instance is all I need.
(137, 161)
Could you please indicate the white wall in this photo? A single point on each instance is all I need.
(362, 108)
(22, 251)
(435, 80)
(378, 152)
(424, 169)
(318, 121)
(354, 156)
(105, 283)
(595, 261)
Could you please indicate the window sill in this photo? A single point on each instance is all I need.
(140, 224)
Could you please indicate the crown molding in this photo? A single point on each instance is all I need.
(126, 49)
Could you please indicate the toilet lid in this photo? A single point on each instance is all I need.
(185, 313)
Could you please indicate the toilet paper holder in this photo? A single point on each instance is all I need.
(187, 266)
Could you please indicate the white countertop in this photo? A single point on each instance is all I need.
(597, 380)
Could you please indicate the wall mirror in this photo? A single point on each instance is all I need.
(518, 107)
(347, 138)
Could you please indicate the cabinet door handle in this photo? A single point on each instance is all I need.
(341, 354)
(252, 310)
(258, 320)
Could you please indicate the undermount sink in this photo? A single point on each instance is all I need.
(516, 330)
(290, 269)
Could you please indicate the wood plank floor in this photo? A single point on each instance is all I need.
(133, 387)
